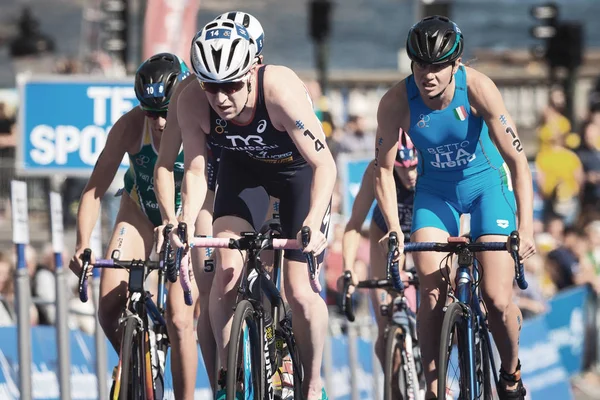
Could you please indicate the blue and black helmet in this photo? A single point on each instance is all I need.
(434, 40)
(156, 80)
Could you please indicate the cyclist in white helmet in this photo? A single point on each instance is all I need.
(264, 121)
(185, 357)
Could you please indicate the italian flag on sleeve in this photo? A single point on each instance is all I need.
(460, 113)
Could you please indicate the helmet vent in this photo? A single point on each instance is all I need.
(234, 45)
(246, 21)
(204, 61)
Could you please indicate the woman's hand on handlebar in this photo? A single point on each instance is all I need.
(317, 242)
(384, 242)
(187, 235)
(159, 235)
(76, 264)
(341, 280)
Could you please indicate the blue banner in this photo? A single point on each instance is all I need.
(340, 369)
(565, 322)
(83, 367)
(365, 381)
(544, 375)
(352, 171)
(65, 122)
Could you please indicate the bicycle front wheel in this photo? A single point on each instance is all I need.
(244, 355)
(132, 379)
(452, 365)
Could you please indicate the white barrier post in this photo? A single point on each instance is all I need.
(62, 310)
(20, 221)
(96, 246)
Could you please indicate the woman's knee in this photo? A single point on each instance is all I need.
(228, 270)
(497, 302)
(302, 297)
(181, 318)
(109, 311)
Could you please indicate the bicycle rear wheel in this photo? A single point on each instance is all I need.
(243, 358)
(401, 380)
(287, 337)
(452, 366)
(133, 375)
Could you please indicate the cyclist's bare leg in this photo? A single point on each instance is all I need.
(433, 298)
(226, 280)
(180, 321)
(503, 314)
(379, 297)
(184, 351)
(133, 235)
(310, 324)
(204, 279)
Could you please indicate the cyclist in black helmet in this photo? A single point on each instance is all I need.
(471, 160)
(136, 134)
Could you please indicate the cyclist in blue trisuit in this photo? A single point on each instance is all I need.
(471, 160)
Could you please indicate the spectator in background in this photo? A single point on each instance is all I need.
(592, 231)
(560, 178)
(31, 265)
(321, 107)
(553, 121)
(67, 66)
(567, 265)
(555, 227)
(354, 139)
(44, 284)
(589, 153)
(7, 292)
(8, 141)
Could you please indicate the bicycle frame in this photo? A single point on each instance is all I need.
(139, 304)
(467, 295)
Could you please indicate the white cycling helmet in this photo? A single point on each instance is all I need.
(249, 22)
(222, 51)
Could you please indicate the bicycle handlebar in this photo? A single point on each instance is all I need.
(387, 284)
(260, 242)
(346, 298)
(86, 258)
(114, 262)
(392, 267)
(511, 245)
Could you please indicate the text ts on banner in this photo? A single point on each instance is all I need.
(64, 122)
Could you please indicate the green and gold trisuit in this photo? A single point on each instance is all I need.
(139, 178)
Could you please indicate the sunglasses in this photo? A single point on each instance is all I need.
(227, 88)
(155, 114)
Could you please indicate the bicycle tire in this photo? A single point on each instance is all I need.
(393, 350)
(485, 366)
(452, 318)
(244, 312)
(131, 376)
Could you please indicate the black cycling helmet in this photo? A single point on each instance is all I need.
(434, 40)
(156, 80)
